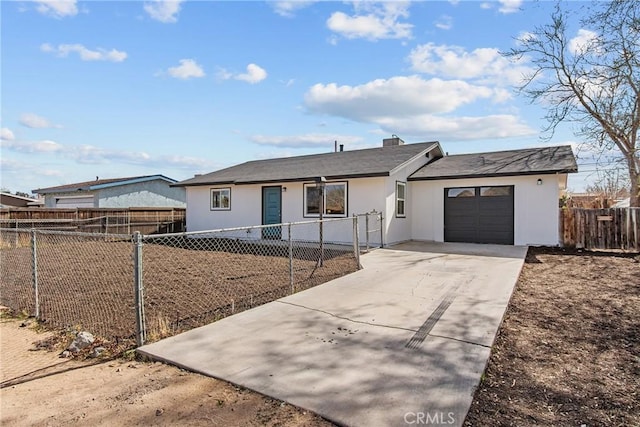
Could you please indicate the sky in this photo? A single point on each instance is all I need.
(127, 88)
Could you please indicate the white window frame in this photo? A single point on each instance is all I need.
(221, 191)
(305, 211)
(401, 199)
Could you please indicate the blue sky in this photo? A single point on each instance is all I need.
(126, 88)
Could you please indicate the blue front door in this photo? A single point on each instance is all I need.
(271, 211)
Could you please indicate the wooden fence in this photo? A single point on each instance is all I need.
(96, 220)
(613, 228)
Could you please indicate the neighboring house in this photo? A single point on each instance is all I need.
(508, 197)
(138, 191)
(8, 200)
(624, 203)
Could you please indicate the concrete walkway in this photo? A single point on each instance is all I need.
(403, 341)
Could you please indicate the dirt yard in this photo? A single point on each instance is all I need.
(87, 283)
(568, 353)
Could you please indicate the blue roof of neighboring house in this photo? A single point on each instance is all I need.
(98, 184)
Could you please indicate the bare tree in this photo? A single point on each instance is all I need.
(592, 79)
(610, 186)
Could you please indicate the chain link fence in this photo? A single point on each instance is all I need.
(141, 288)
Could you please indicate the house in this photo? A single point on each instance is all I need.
(138, 191)
(507, 197)
(8, 200)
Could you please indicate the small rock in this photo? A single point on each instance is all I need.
(97, 352)
(26, 323)
(159, 412)
(65, 354)
(83, 340)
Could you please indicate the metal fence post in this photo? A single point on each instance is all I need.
(381, 231)
(290, 258)
(366, 227)
(34, 263)
(138, 289)
(356, 241)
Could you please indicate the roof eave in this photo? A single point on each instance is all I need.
(433, 145)
(492, 175)
(273, 181)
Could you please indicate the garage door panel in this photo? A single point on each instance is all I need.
(479, 214)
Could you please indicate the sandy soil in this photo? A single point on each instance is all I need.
(568, 351)
(41, 389)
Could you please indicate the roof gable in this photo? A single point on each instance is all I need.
(544, 160)
(339, 165)
(98, 184)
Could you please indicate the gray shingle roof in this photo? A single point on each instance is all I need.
(341, 165)
(544, 160)
(99, 183)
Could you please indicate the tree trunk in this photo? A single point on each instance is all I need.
(634, 196)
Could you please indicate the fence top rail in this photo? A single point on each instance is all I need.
(49, 220)
(604, 209)
(247, 227)
(109, 236)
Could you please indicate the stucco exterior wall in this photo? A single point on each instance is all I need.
(536, 219)
(363, 195)
(143, 194)
(398, 229)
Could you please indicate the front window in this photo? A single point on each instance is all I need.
(401, 188)
(335, 200)
(220, 199)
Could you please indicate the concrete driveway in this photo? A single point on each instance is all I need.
(402, 342)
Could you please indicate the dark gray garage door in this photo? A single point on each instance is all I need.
(479, 214)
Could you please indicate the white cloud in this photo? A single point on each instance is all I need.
(583, 42)
(57, 8)
(89, 154)
(310, 140)
(445, 22)
(485, 64)
(35, 121)
(504, 6)
(417, 107)
(163, 10)
(509, 6)
(458, 128)
(45, 146)
(398, 96)
(254, 74)
(187, 69)
(289, 8)
(6, 134)
(85, 54)
(373, 21)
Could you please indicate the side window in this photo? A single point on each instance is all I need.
(401, 190)
(221, 199)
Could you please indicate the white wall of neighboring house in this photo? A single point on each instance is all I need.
(536, 219)
(76, 199)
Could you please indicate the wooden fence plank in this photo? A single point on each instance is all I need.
(611, 228)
